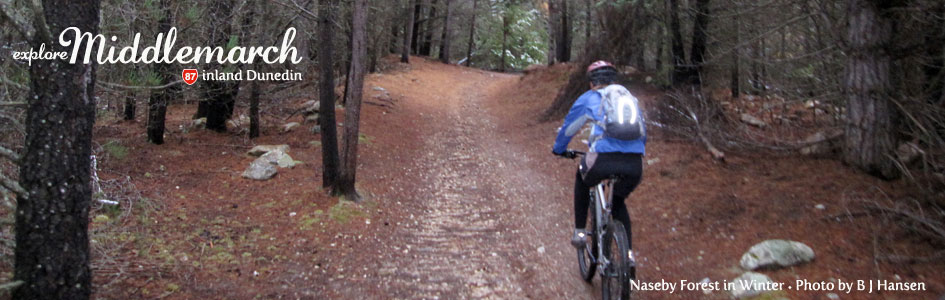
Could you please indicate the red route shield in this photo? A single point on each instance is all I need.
(189, 76)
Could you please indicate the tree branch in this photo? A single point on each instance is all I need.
(11, 285)
(12, 186)
(139, 87)
(7, 15)
(39, 22)
(14, 84)
(9, 154)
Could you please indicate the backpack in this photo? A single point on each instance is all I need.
(622, 118)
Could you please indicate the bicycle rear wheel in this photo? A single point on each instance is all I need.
(586, 262)
(615, 279)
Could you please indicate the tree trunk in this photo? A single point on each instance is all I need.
(699, 36)
(349, 154)
(409, 26)
(219, 97)
(326, 92)
(445, 39)
(677, 52)
(563, 48)
(158, 100)
(417, 27)
(587, 25)
(734, 81)
(254, 110)
(554, 19)
(246, 35)
(426, 47)
(130, 105)
(52, 217)
(505, 34)
(472, 34)
(660, 42)
(870, 138)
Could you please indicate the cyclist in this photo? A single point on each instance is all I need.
(607, 156)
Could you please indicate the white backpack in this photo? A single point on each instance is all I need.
(623, 119)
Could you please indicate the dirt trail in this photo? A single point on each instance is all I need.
(475, 230)
(464, 201)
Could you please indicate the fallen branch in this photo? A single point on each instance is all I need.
(379, 104)
(718, 155)
(932, 227)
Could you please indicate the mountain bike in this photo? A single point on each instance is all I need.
(608, 247)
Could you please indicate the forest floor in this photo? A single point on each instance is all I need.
(464, 200)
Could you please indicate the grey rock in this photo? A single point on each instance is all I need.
(776, 253)
(199, 122)
(279, 158)
(311, 107)
(316, 129)
(263, 149)
(311, 119)
(908, 152)
(240, 122)
(749, 284)
(260, 169)
(753, 121)
(290, 126)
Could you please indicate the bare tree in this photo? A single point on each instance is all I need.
(472, 34)
(445, 39)
(52, 243)
(219, 97)
(505, 37)
(870, 138)
(426, 45)
(158, 101)
(326, 90)
(409, 26)
(699, 37)
(677, 51)
(563, 48)
(349, 154)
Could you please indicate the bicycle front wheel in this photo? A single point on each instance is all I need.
(615, 279)
(585, 255)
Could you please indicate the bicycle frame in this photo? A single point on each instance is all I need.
(602, 195)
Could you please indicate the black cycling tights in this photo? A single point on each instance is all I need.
(628, 165)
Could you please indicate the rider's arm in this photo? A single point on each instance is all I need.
(578, 115)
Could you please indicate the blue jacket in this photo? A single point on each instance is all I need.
(587, 108)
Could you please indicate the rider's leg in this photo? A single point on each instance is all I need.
(582, 199)
(620, 213)
(630, 167)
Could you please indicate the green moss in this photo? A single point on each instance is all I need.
(344, 211)
(308, 222)
(365, 139)
(115, 149)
